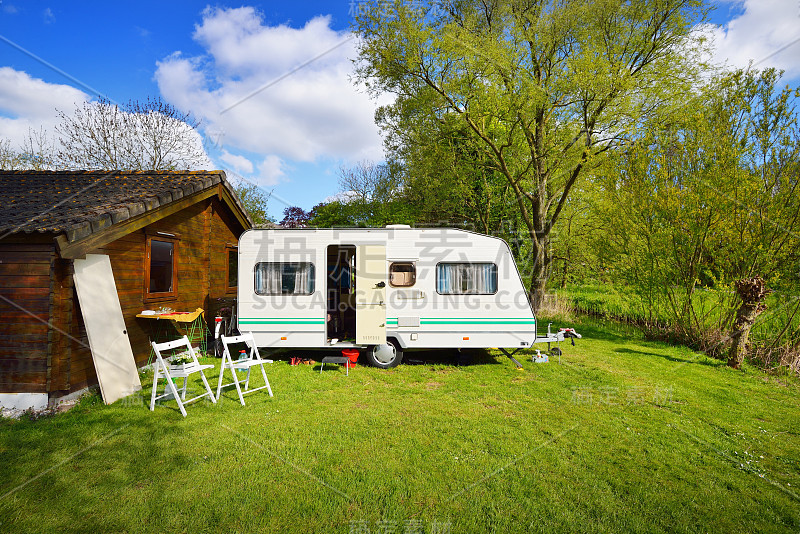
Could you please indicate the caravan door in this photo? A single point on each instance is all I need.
(370, 295)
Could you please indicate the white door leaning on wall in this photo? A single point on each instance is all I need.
(105, 328)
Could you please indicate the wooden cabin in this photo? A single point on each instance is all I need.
(171, 238)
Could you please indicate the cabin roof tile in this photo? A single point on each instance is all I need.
(79, 203)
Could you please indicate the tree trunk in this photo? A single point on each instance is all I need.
(752, 291)
(540, 273)
(565, 271)
(536, 293)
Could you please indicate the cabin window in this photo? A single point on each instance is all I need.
(233, 267)
(402, 274)
(284, 278)
(161, 273)
(466, 278)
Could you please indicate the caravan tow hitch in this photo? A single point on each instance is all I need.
(556, 338)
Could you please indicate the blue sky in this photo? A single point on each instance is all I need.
(206, 58)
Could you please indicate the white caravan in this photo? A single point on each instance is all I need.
(382, 290)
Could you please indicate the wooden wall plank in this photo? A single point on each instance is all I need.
(24, 314)
(60, 318)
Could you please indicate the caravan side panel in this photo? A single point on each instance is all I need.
(267, 259)
(430, 315)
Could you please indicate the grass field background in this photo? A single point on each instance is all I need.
(610, 301)
(622, 435)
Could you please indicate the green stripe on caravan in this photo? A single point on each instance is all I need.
(469, 320)
(465, 320)
(281, 321)
(461, 321)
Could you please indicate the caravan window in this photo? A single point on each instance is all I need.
(466, 278)
(402, 274)
(284, 278)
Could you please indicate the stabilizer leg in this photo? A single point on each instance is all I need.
(511, 356)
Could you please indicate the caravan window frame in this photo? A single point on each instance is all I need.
(311, 278)
(496, 277)
(413, 273)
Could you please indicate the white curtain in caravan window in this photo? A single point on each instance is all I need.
(284, 278)
(445, 277)
(485, 277)
(466, 278)
(268, 278)
(302, 278)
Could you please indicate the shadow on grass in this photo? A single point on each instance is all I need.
(605, 330)
(702, 360)
(331, 367)
(416, 357)
(454, 357)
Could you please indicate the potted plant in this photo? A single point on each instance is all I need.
(179, 363)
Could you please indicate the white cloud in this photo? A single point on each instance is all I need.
(313, 113)
(30, 103)
(238, 163)
(345, 197)
(763, 28)
(49, 16)
(271, 170)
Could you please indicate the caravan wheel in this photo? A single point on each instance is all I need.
(385, 356)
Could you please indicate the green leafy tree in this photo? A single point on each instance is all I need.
(451, 183)
(577, 258)
(542, 88)
(707, 202)
(342, 214)
(255, 202)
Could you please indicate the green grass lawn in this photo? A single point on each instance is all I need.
(622, 436)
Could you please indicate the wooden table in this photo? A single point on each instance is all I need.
(191, 321)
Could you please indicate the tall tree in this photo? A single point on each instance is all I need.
(449, 182)
(149, 135)
(711, 201)
(368, 182)
(254, 200)
(544, 88)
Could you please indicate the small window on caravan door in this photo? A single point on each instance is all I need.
(402, 274)
(466, 278)
(284, 278)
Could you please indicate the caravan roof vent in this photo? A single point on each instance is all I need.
(396, 226)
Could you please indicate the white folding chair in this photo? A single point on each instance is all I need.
(163, 367)
(247, 364)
